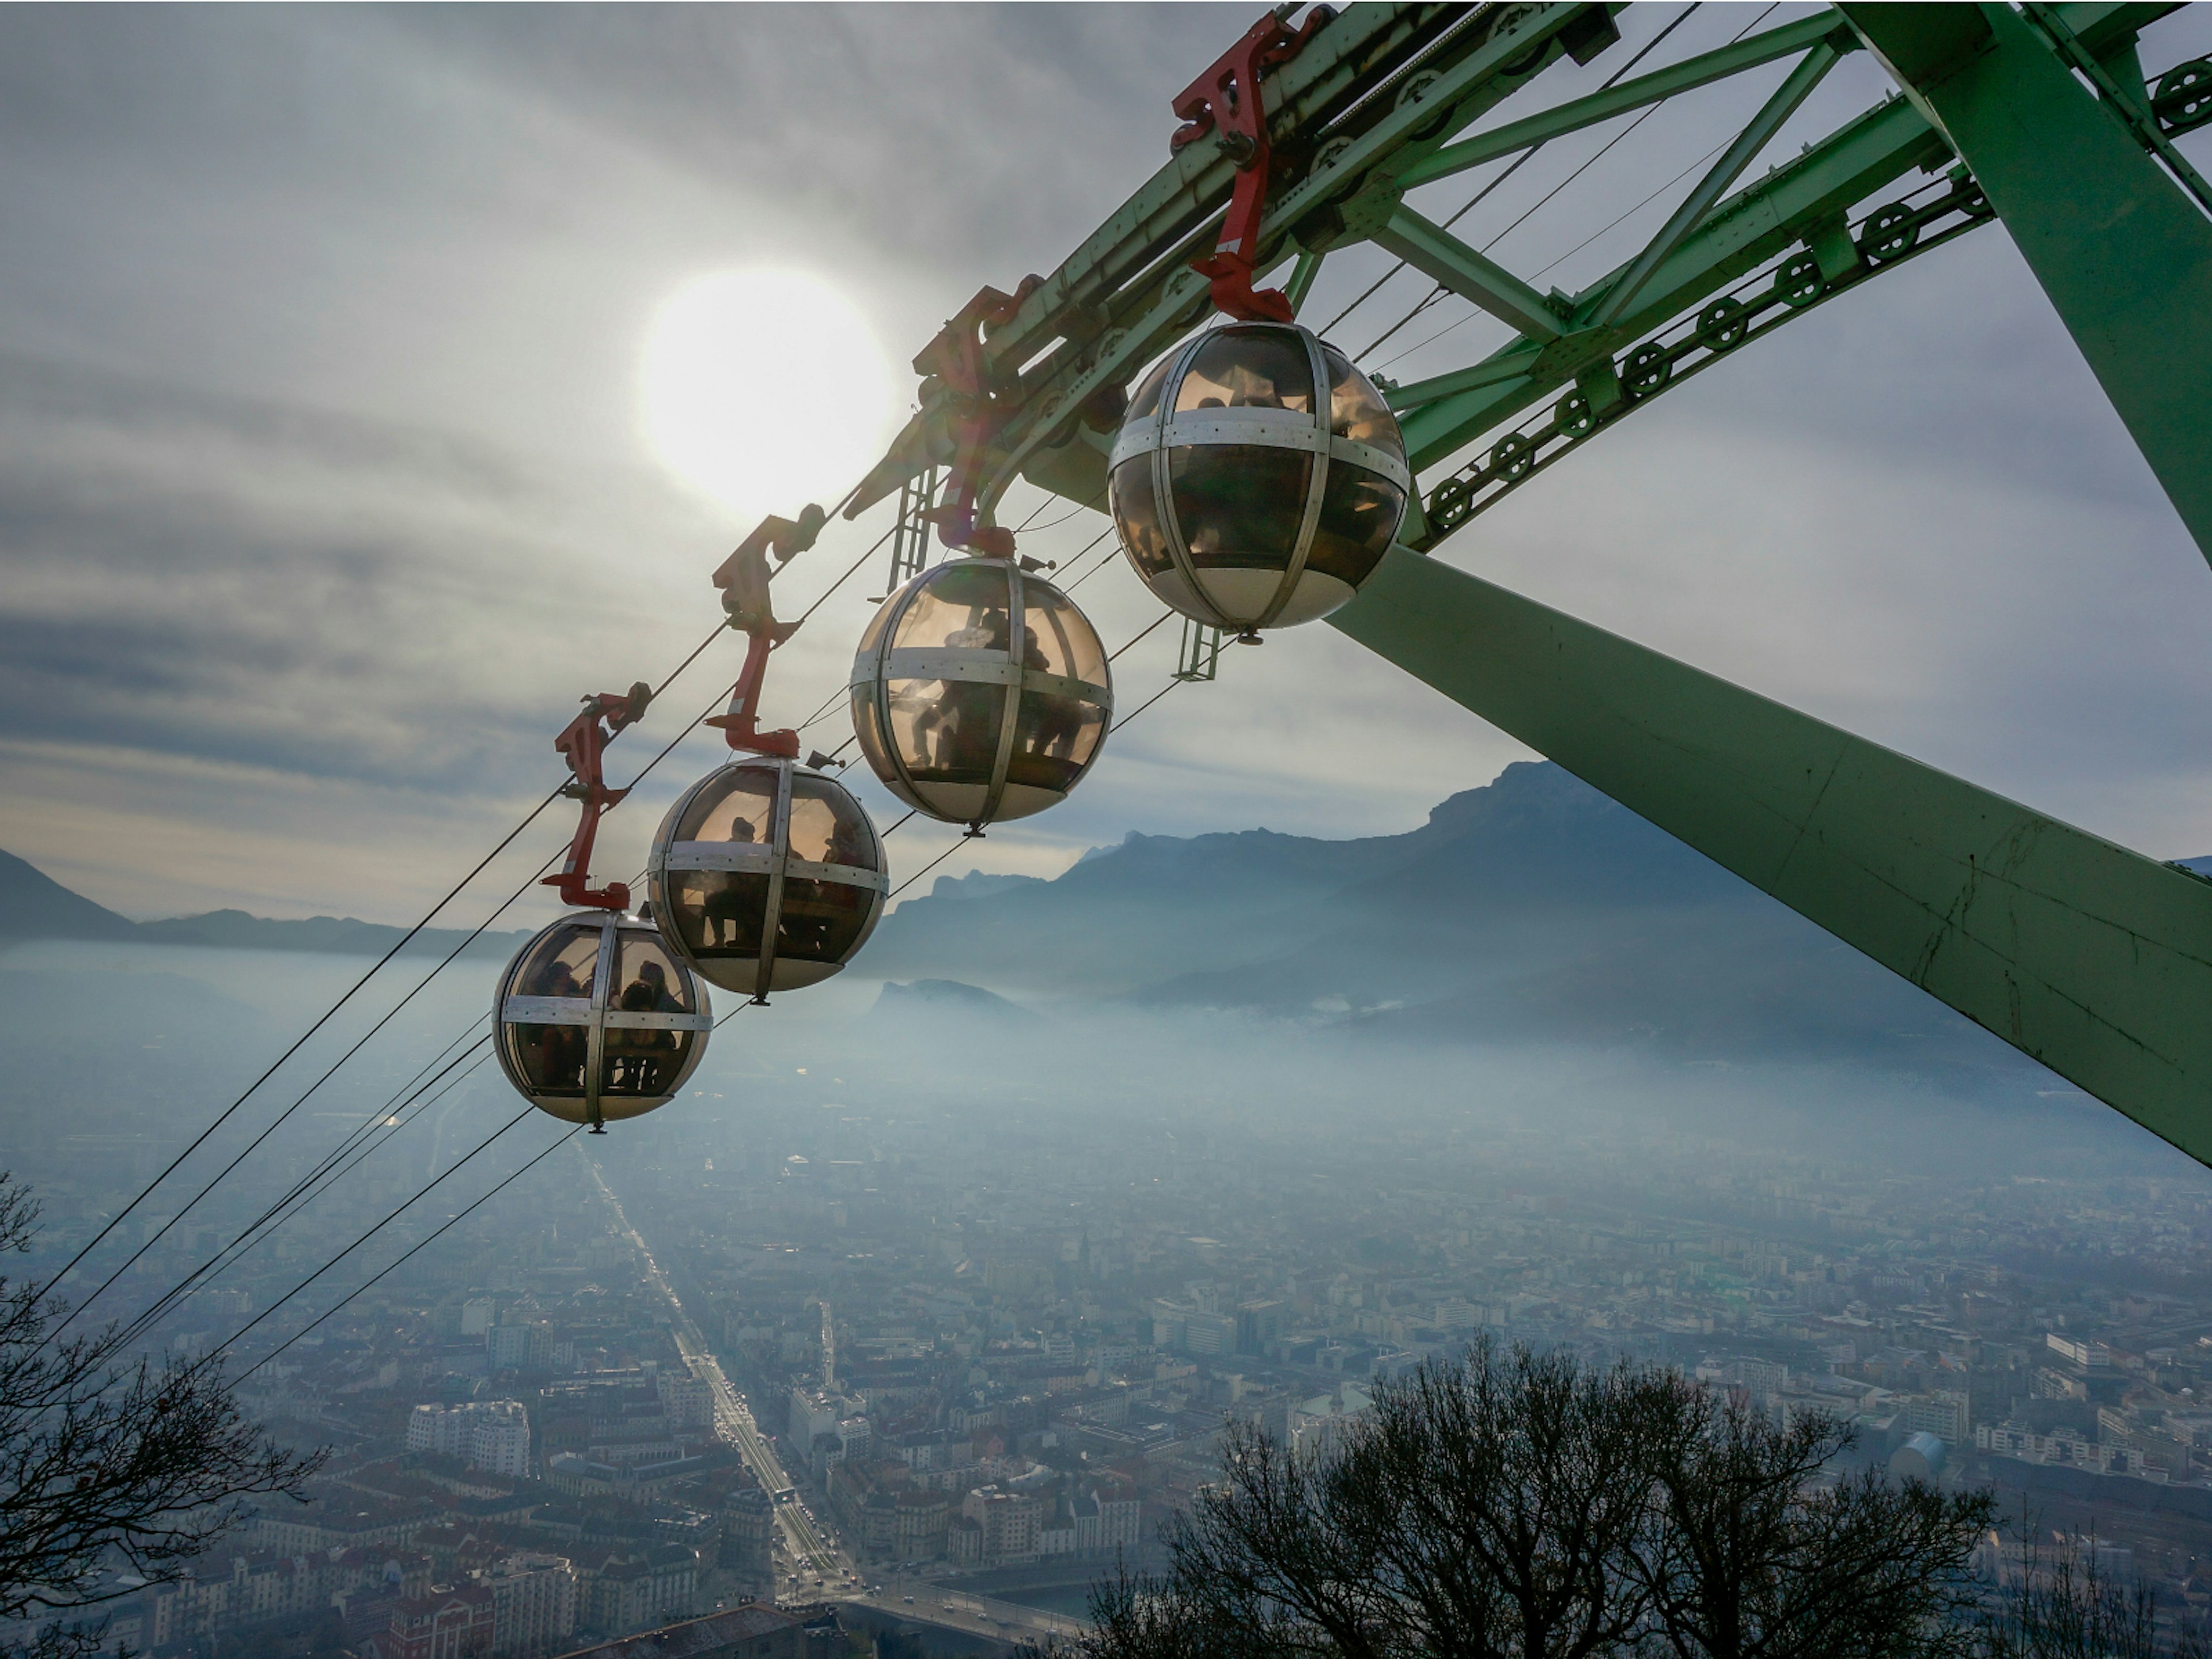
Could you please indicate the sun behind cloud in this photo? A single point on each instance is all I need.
(765, 389)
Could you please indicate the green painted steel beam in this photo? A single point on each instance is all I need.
(1759, 132)
(1444, 259)
(1344, 58)
(1573, 115)
(1470, 69)
(1867, 154)
(1517, 364)
(2124, 255)
(1377, 92)
(2092, 959)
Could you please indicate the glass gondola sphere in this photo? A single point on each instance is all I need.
(981, 693)
(767, 876)
(597, 1020)
(1244, 499)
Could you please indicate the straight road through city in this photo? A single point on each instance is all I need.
(803, 1537)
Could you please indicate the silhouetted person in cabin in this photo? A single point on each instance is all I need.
(642, 1055)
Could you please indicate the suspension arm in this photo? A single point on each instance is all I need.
(2123, 254)
(2092, 959)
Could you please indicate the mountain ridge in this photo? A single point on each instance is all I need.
(1531, 909)
(34, 906)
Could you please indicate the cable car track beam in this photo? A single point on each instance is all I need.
(1687, 76)
(2090, 958)
(2124, 255)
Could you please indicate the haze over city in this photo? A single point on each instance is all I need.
(376, 383)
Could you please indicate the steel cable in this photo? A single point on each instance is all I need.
(332, 1167)
(421, 1193)
(696, 652)
(451, 1221)
(1438, 292)
(224, 1116)
(279, 1120)
(371, 1232)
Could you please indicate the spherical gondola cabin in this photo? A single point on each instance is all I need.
(596, 1019)
(1244, 499)
(767, 876)
(981, 693)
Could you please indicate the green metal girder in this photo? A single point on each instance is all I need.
(2124, 257)
(2092, 959)
(1872, 150)
(1626, 289)
(1573, 115)
(1452, 264)
(1379, 91)
(2088, 957)
(1191, 187)
(1457, 81)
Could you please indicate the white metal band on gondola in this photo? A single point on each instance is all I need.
(980, 692)
(1258, 478)
(767, 876)
(596, 1018)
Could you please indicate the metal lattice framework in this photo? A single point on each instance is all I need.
(2092, 959)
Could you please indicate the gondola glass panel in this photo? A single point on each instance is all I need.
(981, 693)
(596, 1020)
(1243, 500)
(766, 876)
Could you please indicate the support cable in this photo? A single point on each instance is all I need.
(1124, 723)
(421, 1193)
(279, 1120)
(696, 652)
(482, 1145)
(1439, 291)
(224, 1116)
(1104, 562)
(1140, 633)
(926, 868)
(333, 1167)
(451, 1221)
(848, 576)
(1526, 155)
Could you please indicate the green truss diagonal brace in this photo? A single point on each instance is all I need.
(2091, 958)
(2123, 254)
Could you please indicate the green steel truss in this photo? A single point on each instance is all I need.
(2094, 960)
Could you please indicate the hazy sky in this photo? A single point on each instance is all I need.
(325, 486)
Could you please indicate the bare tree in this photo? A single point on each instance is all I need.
(1485, 1511)
(1747, 1560)
(1519, 1486)
(1519, 1505)
(2062, 1612)
(107, 1461)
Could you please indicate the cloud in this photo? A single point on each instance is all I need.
(323, 495)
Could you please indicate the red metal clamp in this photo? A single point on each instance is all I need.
(582, 742)
(1227, 97)
(955, 358)
(744, 579)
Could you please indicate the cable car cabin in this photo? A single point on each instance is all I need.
(767, 876)
(596, 1019)
(981, 693)
(1244, 499)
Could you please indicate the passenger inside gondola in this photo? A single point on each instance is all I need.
(637, 1059)
(554, 1057)
(730, 910)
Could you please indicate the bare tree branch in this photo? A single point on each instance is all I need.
(109, 1459)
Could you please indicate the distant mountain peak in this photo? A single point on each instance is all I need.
(979, 884)
(926, 996)
(33, 905)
